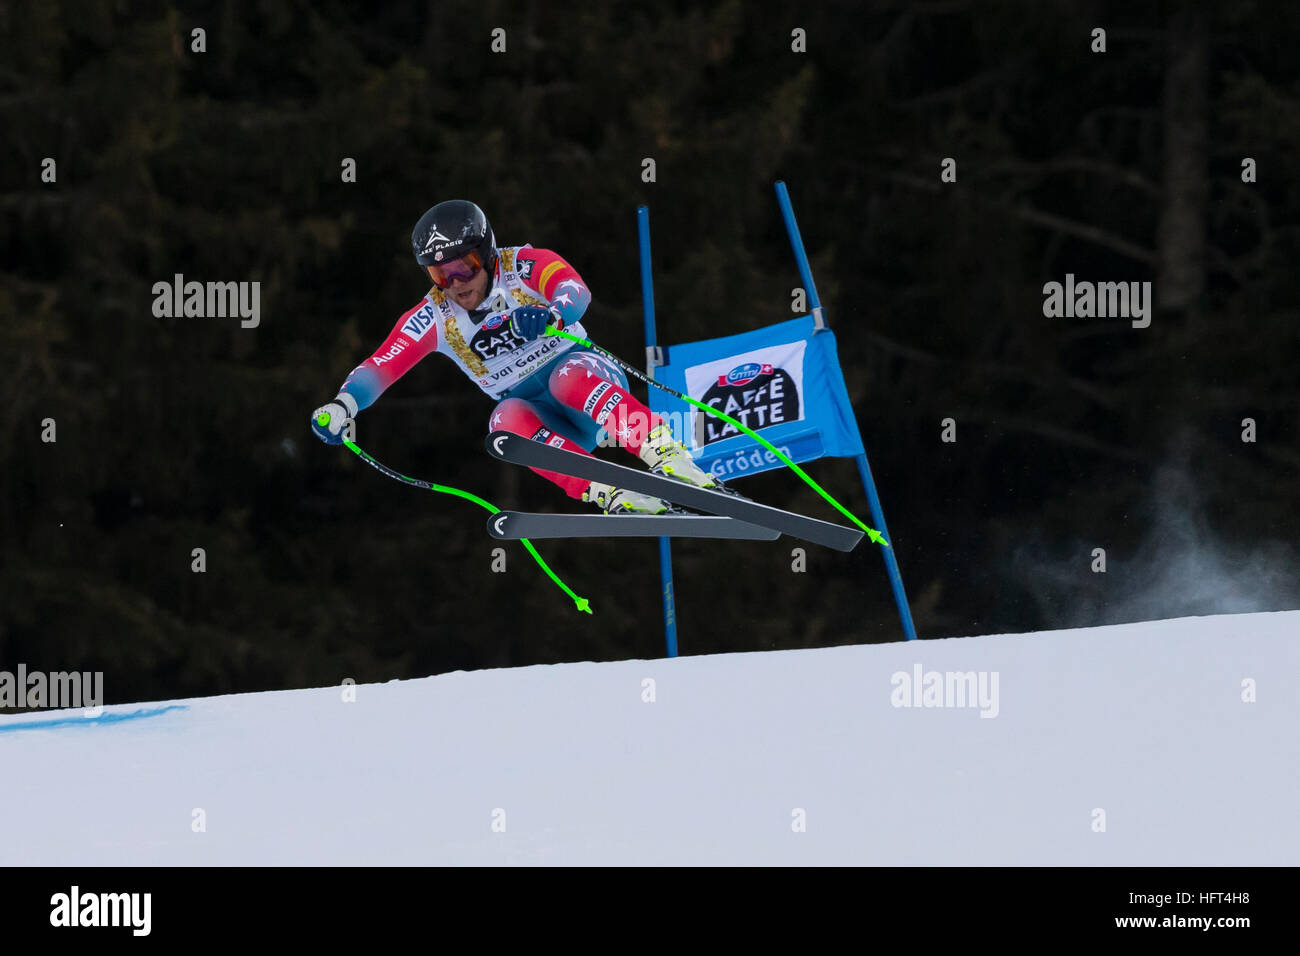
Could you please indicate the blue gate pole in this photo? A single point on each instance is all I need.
(652, 361)
(864, 469)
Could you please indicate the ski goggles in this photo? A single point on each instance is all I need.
(465, 268)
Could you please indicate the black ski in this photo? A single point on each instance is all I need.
(513, 525)
(519, 450)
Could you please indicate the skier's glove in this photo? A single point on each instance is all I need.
(529, 321)
(328, 420)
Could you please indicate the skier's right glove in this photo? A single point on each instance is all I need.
(529, 321)
(327, 421)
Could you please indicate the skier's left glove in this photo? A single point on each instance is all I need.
(529, 321)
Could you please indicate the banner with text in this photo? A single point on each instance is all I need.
(782, 381)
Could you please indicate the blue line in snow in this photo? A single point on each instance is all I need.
(107, 718)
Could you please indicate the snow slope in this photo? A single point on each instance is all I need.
(789, 757)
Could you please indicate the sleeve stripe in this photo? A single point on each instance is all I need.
(549, 271)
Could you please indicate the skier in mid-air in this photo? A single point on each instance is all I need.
(488, 311)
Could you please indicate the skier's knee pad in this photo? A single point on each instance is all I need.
(516, 416)
(584, 382)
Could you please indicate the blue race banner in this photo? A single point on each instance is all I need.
(783, 381)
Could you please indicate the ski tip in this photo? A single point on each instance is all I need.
(495, 443)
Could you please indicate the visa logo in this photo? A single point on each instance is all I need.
(419, 323)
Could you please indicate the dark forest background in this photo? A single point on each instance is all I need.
(1073, 433)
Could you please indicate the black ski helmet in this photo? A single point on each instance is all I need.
(453, 229)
